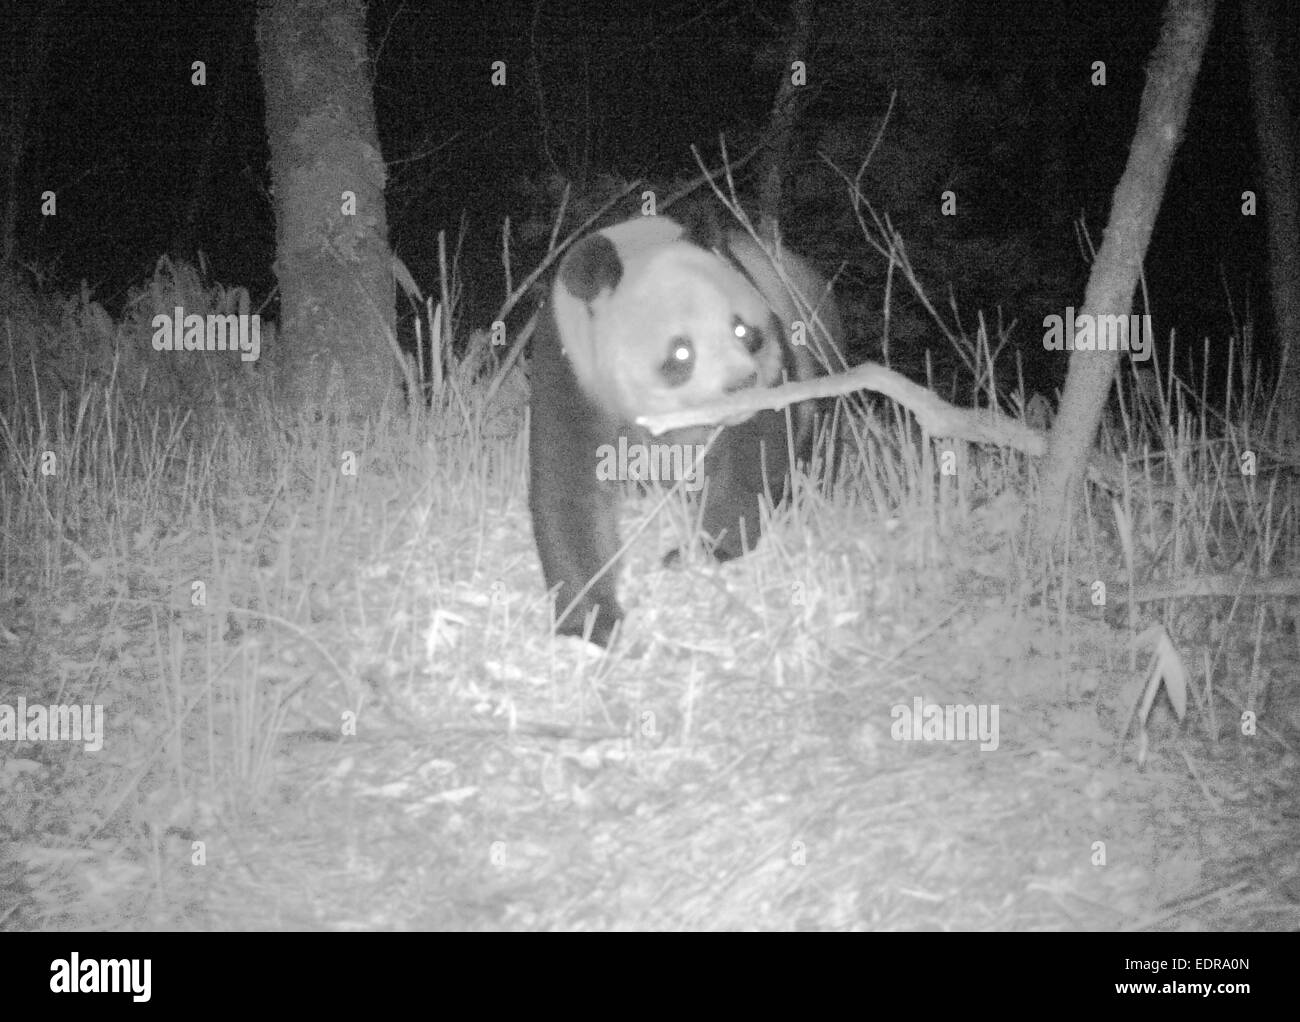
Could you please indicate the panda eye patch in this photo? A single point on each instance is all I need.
(680, 363)
(747, 335)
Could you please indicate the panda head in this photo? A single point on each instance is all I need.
(653, 321)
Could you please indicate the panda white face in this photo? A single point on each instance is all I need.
(681, 329)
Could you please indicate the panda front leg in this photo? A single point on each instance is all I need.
(746, 462)
(575, 514)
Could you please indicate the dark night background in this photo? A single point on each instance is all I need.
(993, 101)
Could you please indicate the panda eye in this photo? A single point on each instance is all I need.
(747, 335)
(680, 363)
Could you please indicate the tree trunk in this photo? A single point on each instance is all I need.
(1162, 116)
(784, 120)
(1277, 160)
(332, 254)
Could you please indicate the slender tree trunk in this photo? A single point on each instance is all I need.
(332, 254)
(784, 119)
(1275, 141)
(1162, 116)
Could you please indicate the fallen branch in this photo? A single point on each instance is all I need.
(935, 416)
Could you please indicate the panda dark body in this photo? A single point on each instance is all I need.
(654, 315)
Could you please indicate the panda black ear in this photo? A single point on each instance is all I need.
(702, 223)
(591, 266)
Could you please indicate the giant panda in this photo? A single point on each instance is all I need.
(649, 316)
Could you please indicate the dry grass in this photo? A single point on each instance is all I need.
(331, 700)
